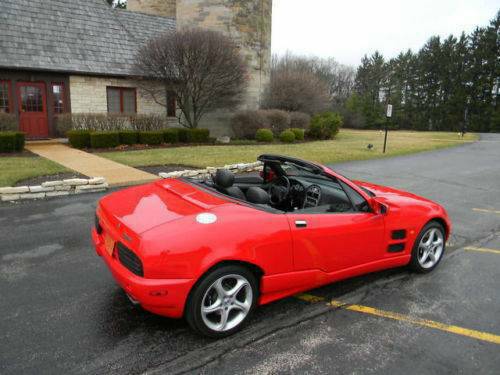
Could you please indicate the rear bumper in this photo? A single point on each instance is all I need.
(165, 297)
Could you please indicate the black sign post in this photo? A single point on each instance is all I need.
(389, 115)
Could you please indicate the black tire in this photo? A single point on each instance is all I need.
(193, 313)
(414, 263)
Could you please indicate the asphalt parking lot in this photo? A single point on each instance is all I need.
(61, 311)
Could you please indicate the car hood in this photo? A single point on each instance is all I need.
(142, 208)
(395, 197)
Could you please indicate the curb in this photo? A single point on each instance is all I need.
(203, 173)
(54, 189)
(75, 186)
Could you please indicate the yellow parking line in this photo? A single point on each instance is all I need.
(486, 210)
(483, 336)
(309, 297)
(482, 250)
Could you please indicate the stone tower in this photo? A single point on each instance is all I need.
(247, 22)
(164, 8)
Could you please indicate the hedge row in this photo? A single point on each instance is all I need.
(97, 122)
(110, 139)
(286, 136)
(11, 141)
(246, 123)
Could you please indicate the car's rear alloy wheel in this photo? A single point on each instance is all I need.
(222, 301)
(429, 248)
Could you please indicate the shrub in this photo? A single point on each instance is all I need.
(299, 120)
(8, 122)
(199, 135)
(20, 140)
(115, 122)
(325, 125)
(7, 141)
(246, 123)
(104, 139)
(287, 136)
(148, 122)
(171, 135)
(264, 135)
(129, 137)
(183, 134)
(153, 137)
(92, 122)
(299, 134)
(278, 120)
(63, 124)
(79, 138)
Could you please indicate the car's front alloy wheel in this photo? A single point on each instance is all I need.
(222, 301)
(429, 247)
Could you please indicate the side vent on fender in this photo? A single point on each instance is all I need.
(399, 234)
(396, 247)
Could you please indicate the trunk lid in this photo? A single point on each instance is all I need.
(141, 208)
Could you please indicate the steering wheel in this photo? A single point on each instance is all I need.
(279, 190)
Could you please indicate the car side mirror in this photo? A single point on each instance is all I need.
(378, 207)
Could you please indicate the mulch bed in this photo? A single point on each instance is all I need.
(53, 177)
(139, 147)
(23, 154)
(155, 169)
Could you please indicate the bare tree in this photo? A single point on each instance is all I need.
(295, 87)
(295, 90)
(202, 68)
(308, 84)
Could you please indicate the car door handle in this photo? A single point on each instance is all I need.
(300, 223)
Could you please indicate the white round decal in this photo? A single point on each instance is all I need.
(206, 218)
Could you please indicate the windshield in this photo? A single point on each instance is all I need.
(294, 170)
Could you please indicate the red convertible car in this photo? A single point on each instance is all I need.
(212, 250)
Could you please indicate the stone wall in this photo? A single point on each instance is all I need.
(248, 23)
(88, 95)
(164, 8)
(209, 171)
(53, 189)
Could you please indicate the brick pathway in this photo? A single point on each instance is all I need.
(91, 165)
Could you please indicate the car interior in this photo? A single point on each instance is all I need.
(288, 185)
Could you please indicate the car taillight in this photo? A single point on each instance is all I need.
(129, 259)
(98, 227)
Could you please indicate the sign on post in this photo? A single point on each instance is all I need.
(389, 115)
(389, 110)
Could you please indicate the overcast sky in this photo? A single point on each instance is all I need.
(346, 30)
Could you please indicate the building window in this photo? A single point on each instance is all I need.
(58, 98)
(5, 101)
(31, 99)
(121, 100)
(171, 104)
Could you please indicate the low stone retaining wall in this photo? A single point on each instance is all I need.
(98, 184)
(203, 173)
(53, 189)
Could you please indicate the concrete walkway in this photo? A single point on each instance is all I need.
(91, 165)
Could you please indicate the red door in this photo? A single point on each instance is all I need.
(334, 242)
(33, 117)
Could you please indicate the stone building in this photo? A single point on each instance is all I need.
(61, 57)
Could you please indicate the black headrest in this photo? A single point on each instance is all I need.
(257, 195)
(224, 178)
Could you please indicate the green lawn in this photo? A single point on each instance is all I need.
(17, 168)
(349, 145)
